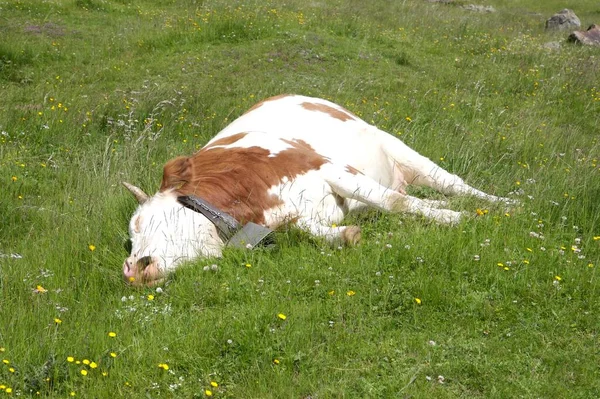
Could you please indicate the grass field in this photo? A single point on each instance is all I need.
(506, 304)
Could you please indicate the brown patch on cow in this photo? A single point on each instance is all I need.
(227, 140)
(353, 170)
(137, 227)
(340, 114)
(260, 104)
(237, 180)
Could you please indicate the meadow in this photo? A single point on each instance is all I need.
(505, 304)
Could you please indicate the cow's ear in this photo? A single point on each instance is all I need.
(176, 173)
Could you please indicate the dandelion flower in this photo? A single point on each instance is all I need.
(214, 384)
(150, 297)
(83, 372)
(11, 369)
(113, 354)
(40, 289)
(72, 393)
(350, 293)
(282, 316)
(93, 365)
(276, 361)
(6, 361)
(85, 361)
(14, 178)
(57, 320)
(163, 366)
(8, 390)
(208, 392)
(70, 359)
(248, 265)
(418, 301)
(557, 278)
(92, 247)
(112, 334)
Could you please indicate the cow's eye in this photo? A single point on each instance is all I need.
(128, 245)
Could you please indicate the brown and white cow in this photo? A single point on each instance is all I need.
(289, 158)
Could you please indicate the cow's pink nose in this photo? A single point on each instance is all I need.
(141, 271)
(129, 269)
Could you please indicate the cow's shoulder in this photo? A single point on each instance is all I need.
(237, 173)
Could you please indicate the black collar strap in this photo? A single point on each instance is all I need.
(225, 223)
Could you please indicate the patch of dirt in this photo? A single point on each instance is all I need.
(48, 28)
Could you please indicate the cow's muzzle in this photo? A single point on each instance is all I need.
(142, 271)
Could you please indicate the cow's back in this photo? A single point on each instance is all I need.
(328, 128)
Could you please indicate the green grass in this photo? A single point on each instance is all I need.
(95, 92)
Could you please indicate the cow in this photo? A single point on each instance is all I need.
(288, 159)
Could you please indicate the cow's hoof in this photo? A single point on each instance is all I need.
(351, 235)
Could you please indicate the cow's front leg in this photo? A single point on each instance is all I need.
(347, 235)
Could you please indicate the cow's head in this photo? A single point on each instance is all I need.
(164, 234)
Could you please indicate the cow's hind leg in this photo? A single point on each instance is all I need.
(356, 186)
(422, 171)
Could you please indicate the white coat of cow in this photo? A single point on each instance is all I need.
(288, 159)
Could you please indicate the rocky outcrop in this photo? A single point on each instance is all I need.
(563, 20)
(590, 37)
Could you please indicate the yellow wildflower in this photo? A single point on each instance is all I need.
(214, 384)
(40, 289)
(282, 316)
(150, 297)
(93, 365)
(57, 320)
(83, 372)
(163, 366)
(350, 293)
(112, 334)
(418, 301)
(70, 359)
(208, 392)
(92, 247)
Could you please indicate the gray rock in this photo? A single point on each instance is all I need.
(476, 8)
(590, 37)
(564, 19)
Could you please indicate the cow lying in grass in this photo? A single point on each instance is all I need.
(288, 159)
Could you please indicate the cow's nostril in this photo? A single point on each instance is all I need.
(144, 262)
